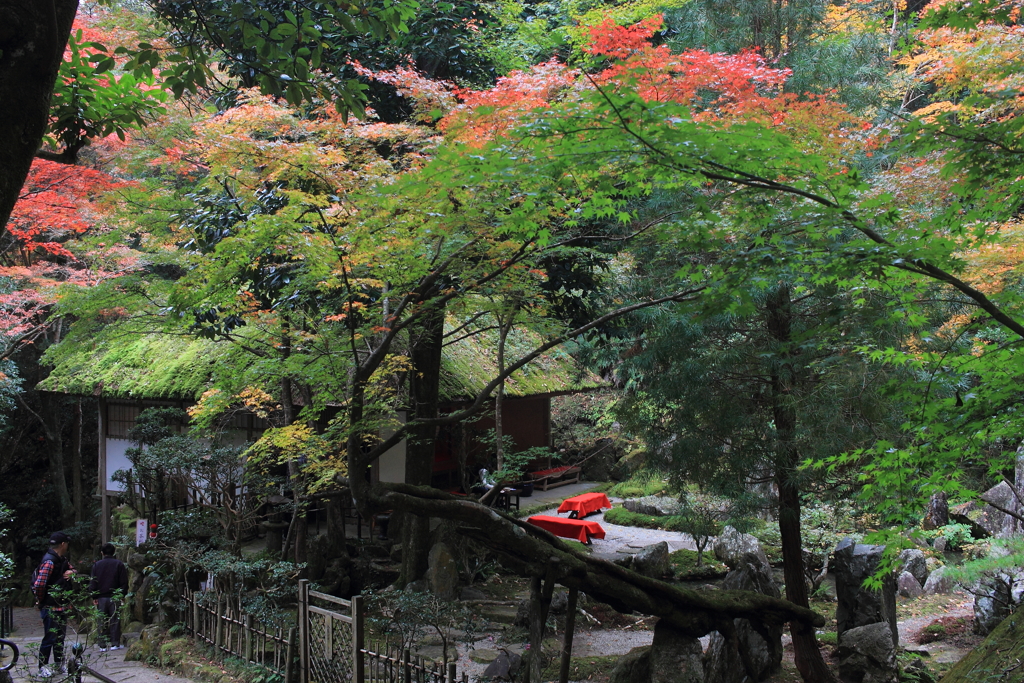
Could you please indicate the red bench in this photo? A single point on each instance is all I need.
(556, 476)
(578, 529)
(583, 504)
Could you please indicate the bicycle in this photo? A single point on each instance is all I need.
(8, 655)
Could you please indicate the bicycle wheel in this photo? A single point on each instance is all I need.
(8, 655)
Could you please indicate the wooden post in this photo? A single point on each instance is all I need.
(248, 638)
(289, 656)
(196, 616)
(451, 673)
(303, 630)
(358, 664)
(406, 668)
(217, 623)
(570, 627)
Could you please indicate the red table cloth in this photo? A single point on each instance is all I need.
(585, 503)
(579, 529)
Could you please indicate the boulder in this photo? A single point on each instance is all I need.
(505, 667)
(522, 614)
(655, 506)
(652, 561)
(977, 517)
(913, 560)
(442, 572)
(996, 522)
(675, 657)
(937, 514)
(992, 601)
(939, 545)
(720, 660)
(559, 602)
(867, 654)
(857, 606)
(938, 582)
(908, 586)
(470, 593)
(735, 549)
(633, 667)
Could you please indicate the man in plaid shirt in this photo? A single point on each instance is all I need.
(54, 573)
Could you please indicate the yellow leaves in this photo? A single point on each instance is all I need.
(994, 264)
(257, 401)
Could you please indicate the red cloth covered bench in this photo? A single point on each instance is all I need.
(578, 529)
(585, 503)
(556, 476)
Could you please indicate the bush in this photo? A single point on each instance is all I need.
(957, 535)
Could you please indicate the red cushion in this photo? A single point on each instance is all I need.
(579, 529)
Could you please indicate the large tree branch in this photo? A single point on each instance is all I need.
(535, 552)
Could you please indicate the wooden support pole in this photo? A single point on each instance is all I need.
(451, 673)
(193, 601)
(570, 627)
(248, 638)
(303, 630)
(358, 634)
(217, 623)
(289, 656)
(406, 667)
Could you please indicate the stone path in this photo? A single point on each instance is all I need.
(28, 631)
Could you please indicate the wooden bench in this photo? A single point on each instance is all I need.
(556, 476)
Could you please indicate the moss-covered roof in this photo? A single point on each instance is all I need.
(147, 366)
(155, 366)
(470, 363)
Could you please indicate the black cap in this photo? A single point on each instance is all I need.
(58, 537)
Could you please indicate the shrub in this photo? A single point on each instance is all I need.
(957, 535)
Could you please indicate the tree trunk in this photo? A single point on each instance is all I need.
(76, 462)
(807, 655)
(50, 413)
(424, 388)
(33, 34)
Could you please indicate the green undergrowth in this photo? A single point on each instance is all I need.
(639, 485)
(581, 668)
(623, 517)
(685, 568)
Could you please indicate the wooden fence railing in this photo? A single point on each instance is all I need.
(326, 646)
(332, 647)
(216, 619)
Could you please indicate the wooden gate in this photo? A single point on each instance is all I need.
(332, 648)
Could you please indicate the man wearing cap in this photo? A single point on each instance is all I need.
(54, 574)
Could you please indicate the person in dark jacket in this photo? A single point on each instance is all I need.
(109, 584)
(53, 578)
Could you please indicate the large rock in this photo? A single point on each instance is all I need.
(656, 506)
(652, 560)
(913, 560)
(857, 606)
(633, 667)
(442, 572)
(504, 667)
(996, 522)
(722, 656)
(938, 582)
(992, 601)
(675, 657)
(867, 654)
(938, 512)
(908, 586)
(735, 549)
